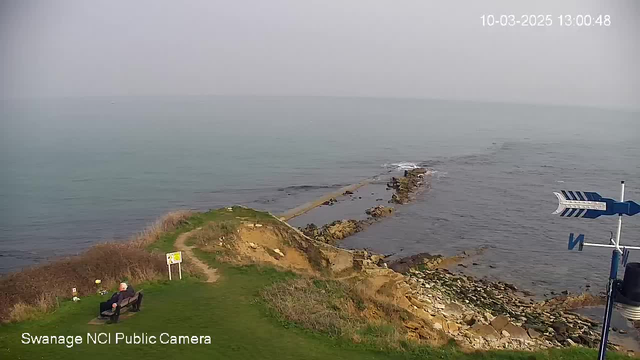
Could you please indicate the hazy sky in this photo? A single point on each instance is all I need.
(393, 48)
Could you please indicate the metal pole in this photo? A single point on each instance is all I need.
(169, 266)
(611, 246)
(613, 275)
(180, 270)
(606, 322)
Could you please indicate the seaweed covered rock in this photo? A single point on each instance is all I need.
(407, 185)
(339, 230)
(334, 231)
(379, 211)
(330, 202)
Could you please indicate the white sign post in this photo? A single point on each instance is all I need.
(174, 258)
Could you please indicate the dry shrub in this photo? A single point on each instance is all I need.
(32, 292)
(36, 290)
(22, 312)
(337, 308)
(168, 223)
(216, 231)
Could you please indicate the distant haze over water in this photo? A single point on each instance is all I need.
(79, 171)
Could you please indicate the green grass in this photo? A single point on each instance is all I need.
(166, 242)
(231, 312)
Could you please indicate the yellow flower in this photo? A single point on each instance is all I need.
(98, 281)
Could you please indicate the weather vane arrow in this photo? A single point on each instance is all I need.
(591, 205)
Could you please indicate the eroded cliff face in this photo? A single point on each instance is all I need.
(477, 314)
(277, 243)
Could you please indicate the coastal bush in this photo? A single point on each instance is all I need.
(22, 311)
(25, 294)
(338, 309)
(169, 222)
(32, 292)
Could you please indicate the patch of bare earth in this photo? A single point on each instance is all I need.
(274, 243)
(181, 244)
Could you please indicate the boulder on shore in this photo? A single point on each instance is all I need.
(405, 264)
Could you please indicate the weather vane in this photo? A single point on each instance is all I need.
(626, 293)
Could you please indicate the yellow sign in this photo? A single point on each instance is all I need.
(174, 258)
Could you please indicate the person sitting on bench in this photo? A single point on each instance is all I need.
(124, 292)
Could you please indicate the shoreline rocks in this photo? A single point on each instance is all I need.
(405, 264)
(478, 313)
(492, 315)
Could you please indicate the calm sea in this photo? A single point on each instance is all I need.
(74, 172)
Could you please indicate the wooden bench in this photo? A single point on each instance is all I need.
(114, 313)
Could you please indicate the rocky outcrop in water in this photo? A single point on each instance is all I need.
(330, 202)
(380, 211)
(340, 229)
(407, 185)
(404, 187)
(335, 231)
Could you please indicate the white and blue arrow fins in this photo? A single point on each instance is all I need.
(578, 204)
(561, 203)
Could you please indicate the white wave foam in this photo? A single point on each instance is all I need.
(400, 166)
(439, 174)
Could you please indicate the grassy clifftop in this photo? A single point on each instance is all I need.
(237, 312)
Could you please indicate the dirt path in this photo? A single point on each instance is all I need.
(181, 244)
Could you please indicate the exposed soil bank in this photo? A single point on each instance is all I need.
(477, 314)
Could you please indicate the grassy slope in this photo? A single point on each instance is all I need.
(165, 243)
(229, 311)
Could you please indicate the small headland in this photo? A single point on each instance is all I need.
(276, 291)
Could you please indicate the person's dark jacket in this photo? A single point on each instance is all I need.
(117, 298)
